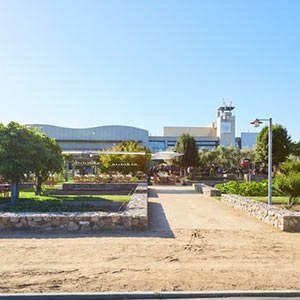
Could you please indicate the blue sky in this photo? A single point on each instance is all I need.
(149, 64)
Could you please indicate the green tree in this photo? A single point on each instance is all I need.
(229, 158)
(23, 152)
(288, 180)
(17, 155)
(187, 146)
(295, 148)
(48, 159)
(126, 163)
(281, 142)
(289, 185)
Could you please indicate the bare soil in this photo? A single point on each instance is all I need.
(194, 243)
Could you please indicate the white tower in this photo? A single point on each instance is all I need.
(226, 125)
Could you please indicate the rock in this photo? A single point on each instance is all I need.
(72, 226)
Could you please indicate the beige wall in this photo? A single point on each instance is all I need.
(193, 131)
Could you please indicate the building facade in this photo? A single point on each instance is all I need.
(221, 132)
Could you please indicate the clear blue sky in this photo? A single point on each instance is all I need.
(148, 63)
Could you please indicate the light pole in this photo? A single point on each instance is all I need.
(257, 123)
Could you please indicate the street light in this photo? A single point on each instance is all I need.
(257, 123)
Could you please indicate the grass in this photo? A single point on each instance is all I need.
(28, 201)
(30, 195)
(275, 199)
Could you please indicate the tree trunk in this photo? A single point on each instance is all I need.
(38, 190)
(290, 202)
(14, 193)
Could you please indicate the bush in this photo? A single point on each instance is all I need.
(247, 188)
(289, 185)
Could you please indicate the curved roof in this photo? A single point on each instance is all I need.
(100, 133)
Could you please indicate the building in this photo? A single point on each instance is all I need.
(248, 139)
(221, 132)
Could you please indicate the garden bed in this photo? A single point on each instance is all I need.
(133, 217)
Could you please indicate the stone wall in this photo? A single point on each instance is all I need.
(279, 218)
(134, 217)
(207, 190)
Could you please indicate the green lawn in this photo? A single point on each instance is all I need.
(275, 199)
(30, 195)
(28, 201)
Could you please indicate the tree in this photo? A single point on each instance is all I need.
(16, 155)
(289, 185)
(48, 159)
(23, 152)
(187, 146)
(288, 181)
(126, 163)
(295, 148)
(281, 142)
(229, 158)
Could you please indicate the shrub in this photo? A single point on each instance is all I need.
(290, 185)
(247, 188)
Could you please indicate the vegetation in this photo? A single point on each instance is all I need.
(24, 151)
(288, 181)
(247, 188)
(127, 163)
(187, 146)
(49, 160)
(281, 145)
(275, 200)
(29, 201)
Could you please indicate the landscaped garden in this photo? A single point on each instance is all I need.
(29, 202)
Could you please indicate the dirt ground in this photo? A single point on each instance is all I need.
(194, 243)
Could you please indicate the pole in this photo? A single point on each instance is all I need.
(270, 164)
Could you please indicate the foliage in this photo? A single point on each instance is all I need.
(24, 151)
(288, 180)
(228, 158)
(295, 148)
(246, 188)
(29, 201)
(289, 184)
(127, 163)
(281, 142)
(49, 160)
(290, 167)
(186, 145)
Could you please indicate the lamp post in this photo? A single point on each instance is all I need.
(257, 123)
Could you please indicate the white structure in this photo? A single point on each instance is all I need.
(221, 132)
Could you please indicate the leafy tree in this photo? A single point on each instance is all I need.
(23, 151)
(228, 158)
(126, 163)
(295, 148)
(289, 185)
(288, 181)
(48, 159)
(289, 167)
(281, 142)
(17, 155)
(187, 146)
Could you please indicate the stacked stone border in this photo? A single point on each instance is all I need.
(280, 218)
(134, 217)
(207, 190)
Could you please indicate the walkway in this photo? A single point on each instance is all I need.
(180, 207)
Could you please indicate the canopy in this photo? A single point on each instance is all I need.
(165, 155)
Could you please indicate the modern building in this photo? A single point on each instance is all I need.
(221, 132)
(248, 139)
